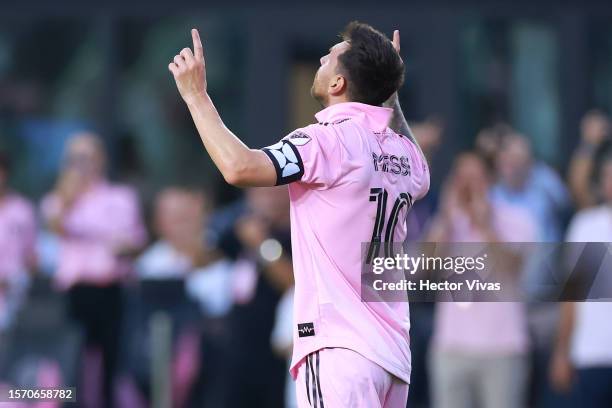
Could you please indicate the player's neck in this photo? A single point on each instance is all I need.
(334, 100)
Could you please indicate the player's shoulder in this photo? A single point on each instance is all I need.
(405, 141)
(410, 148)
(322, 133)
(301, 136)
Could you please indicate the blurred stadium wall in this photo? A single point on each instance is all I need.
(68, 64)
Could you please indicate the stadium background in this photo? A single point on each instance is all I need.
(67, 66)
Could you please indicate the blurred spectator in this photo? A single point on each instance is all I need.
(429, 135)
(262, 273)
(582, 357)
(180, 216)
(478, 359)
(17, 245)
(527, 183)
(178, 222)
(489, 141)
(534, 186)
(594, 130)
(583, 350)
(182, 252)
(100, 227)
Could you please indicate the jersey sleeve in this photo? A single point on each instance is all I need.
(307, 155)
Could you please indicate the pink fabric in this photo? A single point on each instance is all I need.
(103, 219)
(486, 327)
(340, 377)
(185, 366)
(91, 369)
(17, 235)
(49, 376)
(128, 395)
(244, 280)
(332, 215)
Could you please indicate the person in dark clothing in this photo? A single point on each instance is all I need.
(259, 240)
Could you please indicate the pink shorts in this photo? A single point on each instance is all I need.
(339, 377)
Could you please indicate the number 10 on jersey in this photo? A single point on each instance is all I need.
(384, 224)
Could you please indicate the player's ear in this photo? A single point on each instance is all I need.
(337, 85)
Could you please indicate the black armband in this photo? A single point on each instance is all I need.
(287, 162)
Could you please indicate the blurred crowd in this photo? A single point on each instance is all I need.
(191, 305)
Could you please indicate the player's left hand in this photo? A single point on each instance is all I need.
(189, 70)
(396, 44)
(396, 41)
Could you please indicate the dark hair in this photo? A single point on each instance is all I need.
(372, 66)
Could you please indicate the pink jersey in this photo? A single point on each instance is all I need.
(342, 170)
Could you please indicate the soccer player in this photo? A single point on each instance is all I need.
(352, 177)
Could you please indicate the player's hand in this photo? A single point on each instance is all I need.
(396, 41)
(189, 70)
(396, 44)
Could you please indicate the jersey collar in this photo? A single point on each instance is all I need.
(377, 117)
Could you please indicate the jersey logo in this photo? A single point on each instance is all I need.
(287, 162)
(306, 329)
(298, 138)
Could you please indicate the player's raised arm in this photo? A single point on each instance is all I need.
(239, 165)
(398, 121)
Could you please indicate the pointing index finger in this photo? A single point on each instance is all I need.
(396, 40)
(197, 44)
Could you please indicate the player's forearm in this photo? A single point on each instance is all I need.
(239, 165)
(398, 121)
(228, 152)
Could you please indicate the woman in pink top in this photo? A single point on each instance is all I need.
(479, 349)
(99, 227)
